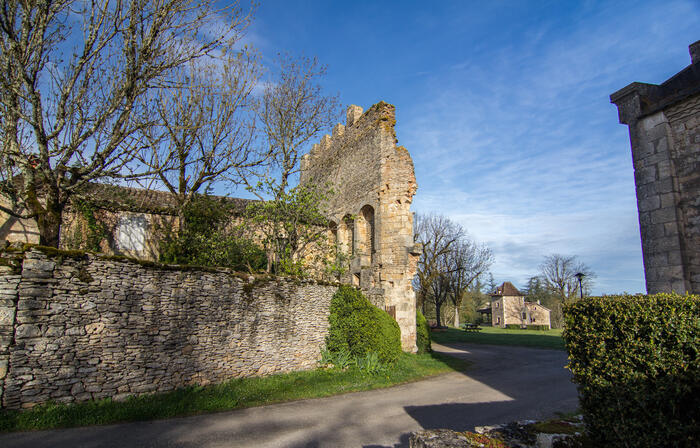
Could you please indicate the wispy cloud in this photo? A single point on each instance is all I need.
(525, 151)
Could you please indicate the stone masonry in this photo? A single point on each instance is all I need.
(508, 307)
(373, 184)
(76, 327)
(664, 127)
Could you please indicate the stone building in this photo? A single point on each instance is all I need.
(508, 307)
(664, 127)
(373, 184)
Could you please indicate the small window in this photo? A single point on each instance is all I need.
(524, 315)
(131, 233)
(498, 320)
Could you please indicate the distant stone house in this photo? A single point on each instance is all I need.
(509, 307)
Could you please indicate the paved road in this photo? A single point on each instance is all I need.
(504, 384)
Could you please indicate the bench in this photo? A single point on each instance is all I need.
(472, 328)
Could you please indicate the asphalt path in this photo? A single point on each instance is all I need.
(503, 384)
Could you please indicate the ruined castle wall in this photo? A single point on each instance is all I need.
(80, 327)
(373, 184)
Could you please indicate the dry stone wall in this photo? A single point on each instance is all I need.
(76, 327)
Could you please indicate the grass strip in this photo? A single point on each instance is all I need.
(234, 394)
(549, 339)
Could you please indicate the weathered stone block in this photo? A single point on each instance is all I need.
(28, 331)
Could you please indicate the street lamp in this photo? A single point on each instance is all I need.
(579, 276)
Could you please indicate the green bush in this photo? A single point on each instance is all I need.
(207, 238)
(359, 327)
(422, 333)
(513, 327)
(538, 327)
(635, 360)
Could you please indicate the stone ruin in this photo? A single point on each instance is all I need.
(664, 127)
(373, 183)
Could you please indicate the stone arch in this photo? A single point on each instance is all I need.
(366, 231)
(346, 235)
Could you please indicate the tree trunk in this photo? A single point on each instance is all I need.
(438, 305)
(49, 224)
(456, 316)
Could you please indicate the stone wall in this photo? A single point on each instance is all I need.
(664, 126)
(373, 184)
(75, 327)
(509, 310)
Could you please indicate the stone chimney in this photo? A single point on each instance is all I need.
(694, 52)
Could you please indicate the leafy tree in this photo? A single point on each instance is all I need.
(292, 226)
(75, 90)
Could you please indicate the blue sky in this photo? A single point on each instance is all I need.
(504, 107)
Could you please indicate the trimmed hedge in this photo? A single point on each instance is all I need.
(514, 327)
(538, 327)
(422, 333)
(358, 327)
(635, 361)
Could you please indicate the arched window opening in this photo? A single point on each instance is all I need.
(346, 236)
(366, 239)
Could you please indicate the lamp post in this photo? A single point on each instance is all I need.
(579, 276)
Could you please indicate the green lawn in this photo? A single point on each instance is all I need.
(550, 339)
(234, 394)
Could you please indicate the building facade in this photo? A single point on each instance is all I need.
(509, 307)
(664, 128)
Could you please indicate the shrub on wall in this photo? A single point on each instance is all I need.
(636, 362)
(422, 333)
(359, 327)
(207, 238)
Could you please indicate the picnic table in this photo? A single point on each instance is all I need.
(471, 327)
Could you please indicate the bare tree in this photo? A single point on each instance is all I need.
(449, 264)
(438, 235)
(74, 85)
(558, 273)
(204, 133)
(294, 111)
(468, 260)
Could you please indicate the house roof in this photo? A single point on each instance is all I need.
(537, 304)
(507, 289)
(116, 197)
